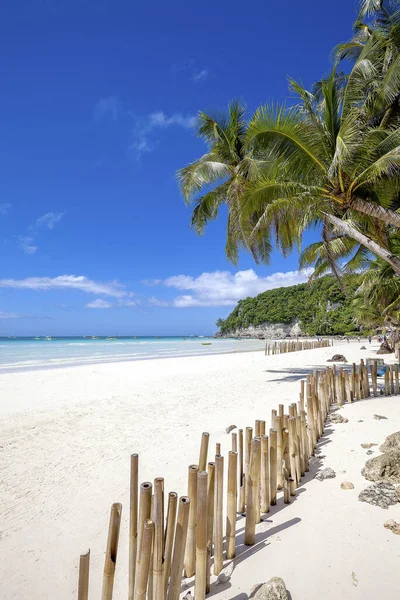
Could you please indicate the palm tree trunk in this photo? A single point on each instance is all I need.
(373, 210)
(352, 232)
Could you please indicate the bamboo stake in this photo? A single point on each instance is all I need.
(247, 446)
(231, 506)
(210, 520)
(133, 523)
(272, 466)
(169, 537)
(158, 546)
(286, 491)
(279, 458)
(143, 566)
(373, 378)
(201, 537)
(391, 380)
(111, 551)
(262, 428)
(234, 442)
(396, 375)
(83, 581)
(257, 432)
(386, 385)
(205, 437)
(179, 548)
(292, 455)
(257, 488)
(264, 474)
(217, 449)
(302, 394)
(190, 552)
(218, 514)
(144, 514)
(273, 417)
(251, 482)
(305, 439)
(241, 503)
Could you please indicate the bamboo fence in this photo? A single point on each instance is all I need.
(262, 470)
(282, 347)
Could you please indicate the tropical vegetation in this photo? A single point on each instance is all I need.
(330, 159)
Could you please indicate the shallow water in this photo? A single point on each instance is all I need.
(18, 354)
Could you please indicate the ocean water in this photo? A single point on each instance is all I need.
(17, 354)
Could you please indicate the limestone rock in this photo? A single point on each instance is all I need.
(382, 493)
(367, 446)
(393, 526)
(392, 442)
(379, 417)
(337, 358)
(274, 589)
(230, 428)
(385, 466)
(225, 574)
(385, 348)
(347, 485)
(327, 473)
(363, 348)
(337, 418)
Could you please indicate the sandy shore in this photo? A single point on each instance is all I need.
(66, 438)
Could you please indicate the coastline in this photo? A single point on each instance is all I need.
(67, 435)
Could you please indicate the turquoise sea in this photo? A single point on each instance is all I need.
(18, 354)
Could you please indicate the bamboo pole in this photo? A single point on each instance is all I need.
(302, 394)
(251, 482)
(286, 491)
(391, 380)
(241, 503)
(158, 545)
(210, 520)
(257, 431)
(386, 384)
(201, 537)
(218, 514)
(231, 506)
(133, 523)
(111, 551)
(273, 417)
(146, 489)
(262, 428)
(264, 474)
(396, 375)
(169, 537)
(247, 447)
(279, 458)
(272, 466)
(143, 566)
(217, 449)
(83, 581)
(234, 442)
(257, 488)
(292, 455)
(179, 548)
(190, 552)
(304, 439)
(205, 437)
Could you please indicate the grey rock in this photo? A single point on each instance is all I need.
(337, 358)
(230, 428)
(379, 417)
(383, 467)
(363, 348)
(392, 442)
(347, 485)
(337, 418)
(369, 452)
(382, 493)
(274, 589)
(327, 473)
(368, 445)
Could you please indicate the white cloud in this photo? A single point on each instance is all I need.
(107, 106)
(7, 315)
(25, 242)
(200, 75)
(49, 219)
(129, 303)
(75, 282)
(98, 304)
(4, 208)
(222, 288)
(143, 134)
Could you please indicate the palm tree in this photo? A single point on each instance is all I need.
(330, 166)
(226, 168)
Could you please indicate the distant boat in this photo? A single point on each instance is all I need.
(48, 338)
(111, 338)
(37, 338)
(206, 343)
(93, 337)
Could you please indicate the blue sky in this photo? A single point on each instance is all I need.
(96, 109)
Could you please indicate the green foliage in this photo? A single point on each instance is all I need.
(320, 307)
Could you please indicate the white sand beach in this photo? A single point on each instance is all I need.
(67, 435)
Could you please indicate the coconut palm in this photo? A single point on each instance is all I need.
(330, 166)
(219, 177)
